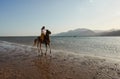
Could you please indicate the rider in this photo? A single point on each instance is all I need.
(43, 33)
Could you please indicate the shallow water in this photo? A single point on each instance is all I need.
(99, 46)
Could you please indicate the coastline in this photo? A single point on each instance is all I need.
(24, 62)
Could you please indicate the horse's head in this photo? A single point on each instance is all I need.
(48, 32)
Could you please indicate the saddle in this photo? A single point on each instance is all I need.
(44, 39)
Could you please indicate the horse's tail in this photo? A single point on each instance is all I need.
(35, 42)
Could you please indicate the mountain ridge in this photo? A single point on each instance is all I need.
(89, 32)
(77, 32)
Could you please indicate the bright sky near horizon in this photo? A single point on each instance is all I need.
(26, 17)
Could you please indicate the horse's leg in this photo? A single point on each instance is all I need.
(41, 48)
(38, 46)
(46, 48)
(50, 47)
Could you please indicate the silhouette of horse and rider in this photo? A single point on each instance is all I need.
(43, 39)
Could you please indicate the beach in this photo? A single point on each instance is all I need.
(25, 62)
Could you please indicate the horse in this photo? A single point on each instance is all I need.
(38, 41)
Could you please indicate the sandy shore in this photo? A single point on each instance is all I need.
(24, 62)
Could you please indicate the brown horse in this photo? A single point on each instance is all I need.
(46, 41)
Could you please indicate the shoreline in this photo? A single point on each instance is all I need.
(24, 62)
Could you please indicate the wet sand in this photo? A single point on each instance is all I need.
(24, 62)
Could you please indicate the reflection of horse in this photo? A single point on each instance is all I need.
(43, 64)
(46, 41)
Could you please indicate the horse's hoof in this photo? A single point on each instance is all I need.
(45, 54)
(41, 54)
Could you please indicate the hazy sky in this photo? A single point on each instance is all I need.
(26, 17)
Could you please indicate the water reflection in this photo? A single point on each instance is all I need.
(43, 64)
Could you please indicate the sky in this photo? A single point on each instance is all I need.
(26, 17)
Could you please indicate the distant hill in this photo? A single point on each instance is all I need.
(111, 33)
(88, 32)
(77, 32)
